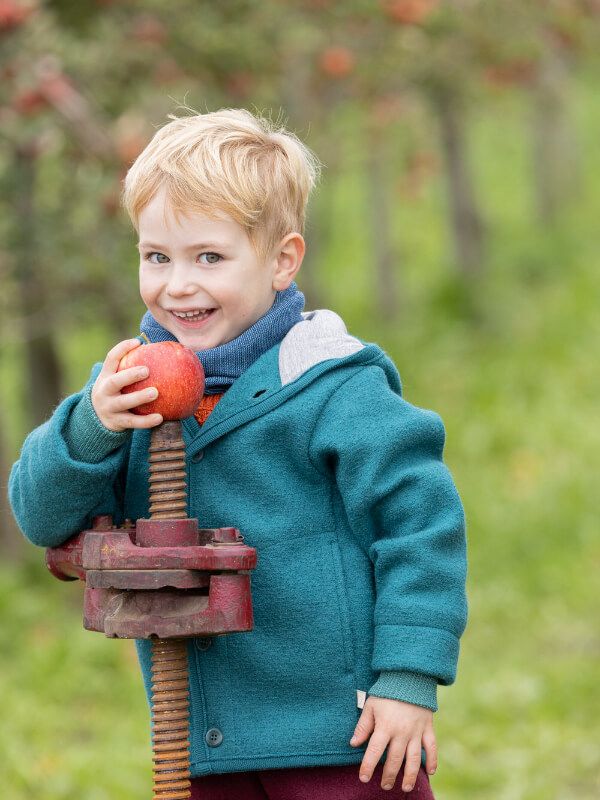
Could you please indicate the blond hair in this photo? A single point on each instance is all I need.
(231, 161)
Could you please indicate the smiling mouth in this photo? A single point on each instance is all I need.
(196, 315)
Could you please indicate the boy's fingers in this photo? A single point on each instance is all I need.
(393, 762)
(411, 767)
(377, 744)
(111, 362)
(147, 421)
(125, 402)
(139, 420)
(126, 377)
(364, 726)
(430, 745)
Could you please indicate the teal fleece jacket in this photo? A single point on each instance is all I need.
(340, 485)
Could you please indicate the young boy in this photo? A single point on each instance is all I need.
(304, 443)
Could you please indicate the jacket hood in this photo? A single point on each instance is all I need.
(322, 335)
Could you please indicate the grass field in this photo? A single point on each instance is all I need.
(518, 389)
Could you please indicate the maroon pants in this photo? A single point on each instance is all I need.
(306, 783)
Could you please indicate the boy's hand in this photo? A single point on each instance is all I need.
(405, 726)
(112, 407)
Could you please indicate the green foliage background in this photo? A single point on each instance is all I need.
(509, 363)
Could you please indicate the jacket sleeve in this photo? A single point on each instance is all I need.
(67, 472)
(401, 503)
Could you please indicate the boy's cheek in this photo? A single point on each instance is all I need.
(148, 293)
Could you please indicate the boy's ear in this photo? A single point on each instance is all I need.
(288, 259)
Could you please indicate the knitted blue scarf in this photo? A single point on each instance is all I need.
(226, 362)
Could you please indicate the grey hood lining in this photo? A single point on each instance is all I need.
(321, 335)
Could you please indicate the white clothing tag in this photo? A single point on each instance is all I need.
(360, 698)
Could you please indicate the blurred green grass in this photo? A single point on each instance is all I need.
(517, 386)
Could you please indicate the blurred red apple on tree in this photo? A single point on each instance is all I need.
(409, 12)
(13, 14)
(175, 371)
(29, 102)
(337, 61)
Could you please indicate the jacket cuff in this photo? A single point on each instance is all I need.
(422, 648)
(411, 687)
(87, 438)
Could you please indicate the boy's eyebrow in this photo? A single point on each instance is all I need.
(199, 246)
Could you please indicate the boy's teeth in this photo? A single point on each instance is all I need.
(192, 314)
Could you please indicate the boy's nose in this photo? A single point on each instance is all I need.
(181, 284)
(180, 289)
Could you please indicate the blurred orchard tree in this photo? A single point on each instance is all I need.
(383, 90)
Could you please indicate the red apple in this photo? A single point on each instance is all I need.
(175, 371)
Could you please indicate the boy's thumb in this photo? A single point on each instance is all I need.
(364, 726)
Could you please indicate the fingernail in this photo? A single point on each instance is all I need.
(354, 739)
(152, 393)
(387, 786)
(432, 771)
(364, 778)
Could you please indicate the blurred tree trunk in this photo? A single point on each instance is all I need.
(554, 141)
(296, 91)
(322, 102)
(378, 199)
(42, 366)
(466, 220)
(318, 225)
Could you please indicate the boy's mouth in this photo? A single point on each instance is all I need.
(194, 316)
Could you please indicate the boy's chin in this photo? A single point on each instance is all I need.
(198, 343)
(194, 339)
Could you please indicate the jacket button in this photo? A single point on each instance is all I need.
(213, 737)
(198, 457)
(203, 643)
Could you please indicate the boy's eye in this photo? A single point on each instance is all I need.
(158, 255)
(161, 258)
(211, 258)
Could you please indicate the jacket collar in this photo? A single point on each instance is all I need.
(317, 344)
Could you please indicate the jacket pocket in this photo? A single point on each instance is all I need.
(339, 583)
(290, 689)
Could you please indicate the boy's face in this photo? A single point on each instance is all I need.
(200, 277)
